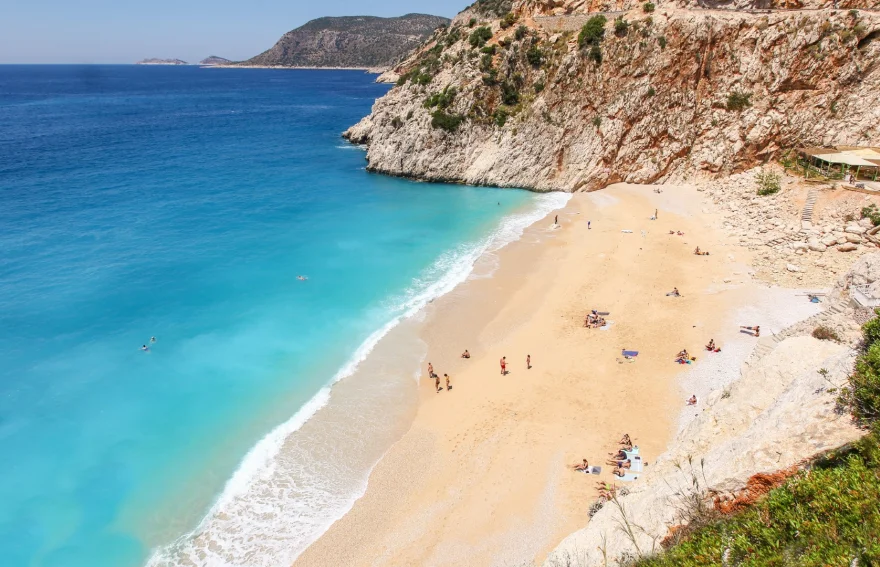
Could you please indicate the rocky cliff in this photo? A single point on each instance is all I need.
(551, 95)
(358, 41)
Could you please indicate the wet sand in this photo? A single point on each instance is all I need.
(482, 476)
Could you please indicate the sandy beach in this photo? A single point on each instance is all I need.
(483, 476)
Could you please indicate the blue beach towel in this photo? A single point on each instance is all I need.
(630, 353)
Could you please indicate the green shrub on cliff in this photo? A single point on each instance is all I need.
(521, 32)
(448, 122)
(738, 100)
(480, 36)
(508, 20)
(509, 93)
(534, 56)
(593, 32)
(648, 7)
(441, 100)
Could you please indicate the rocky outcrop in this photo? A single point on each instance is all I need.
(780, 412)
(654, 96)
(214, 60)
(356, 41)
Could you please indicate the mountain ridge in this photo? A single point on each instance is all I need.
(366, 42)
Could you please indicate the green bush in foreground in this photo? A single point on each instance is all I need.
(861, 395)
(825, 516)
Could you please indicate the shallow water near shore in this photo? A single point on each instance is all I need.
(183, 203)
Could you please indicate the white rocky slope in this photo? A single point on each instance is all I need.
(777, 414)
(659, 102)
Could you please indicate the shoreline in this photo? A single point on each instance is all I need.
(379, 375)
(474, 502)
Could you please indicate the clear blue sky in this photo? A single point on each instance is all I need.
(125, 31)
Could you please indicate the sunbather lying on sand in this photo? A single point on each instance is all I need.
(619, 472)
(581, 466)
(625, 440)
(756, 330)
(692, 401)
(674, 292)
(711, 346)
(623, 464)
(618, 456)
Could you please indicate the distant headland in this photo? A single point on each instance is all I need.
(155, 61)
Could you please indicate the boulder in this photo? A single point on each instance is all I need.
(829, 240)
(854, 238)
(848, 247)
(854, 229)
(793, 268)
(816, 246)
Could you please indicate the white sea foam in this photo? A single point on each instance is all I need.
(281, 499)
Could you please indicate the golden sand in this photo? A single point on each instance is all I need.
(483, 477)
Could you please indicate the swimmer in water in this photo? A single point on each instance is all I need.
(152, 339)
(302, 278)
(145, 348)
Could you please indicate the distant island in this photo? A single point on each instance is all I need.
(214, 60)
(360, 42)
(155, 61)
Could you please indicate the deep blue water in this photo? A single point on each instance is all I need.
(182, 203)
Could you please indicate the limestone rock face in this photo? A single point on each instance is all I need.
(678, 92)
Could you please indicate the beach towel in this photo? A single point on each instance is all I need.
(626, 231)
(630, 353)
(603, 313)
(636, 464)
(629, 477)
(592, 470)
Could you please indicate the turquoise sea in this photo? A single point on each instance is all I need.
(182, 203)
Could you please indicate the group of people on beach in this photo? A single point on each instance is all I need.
(436, 377)
(620, 459)
(594, 320)
(684, 357)
(466, 354)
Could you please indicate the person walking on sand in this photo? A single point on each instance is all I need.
(503, 365)
(430, 370)
(437, 383)
(588, 225)
(528, 362)
(448, 386)
(556, 220)
(655, 213)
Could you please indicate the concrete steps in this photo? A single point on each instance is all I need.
(807, 213)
